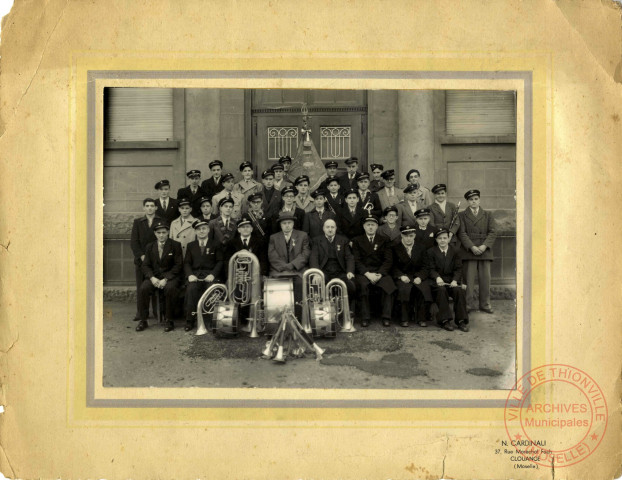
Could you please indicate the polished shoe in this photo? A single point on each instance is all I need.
(446, 326)
(487, 310)
(365, 323)
(385, 323)
(141, 325)
(423, 324)
(169, 326)
(463, 326)
(189, 326)
(404, 324)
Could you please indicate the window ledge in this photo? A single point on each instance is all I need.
(143, 145)
(462, 140)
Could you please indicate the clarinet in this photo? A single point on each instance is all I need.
(454, 217)
(256, 223)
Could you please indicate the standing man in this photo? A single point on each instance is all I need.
(425, 233)
(286, 161)
(331, 253)
(225, 226)
(445, 271)
(228, 192)
(373, 262)
(368, 199)
(259, 220)
(423, 196)
(246, 240)
(313, 224)
(206, 209)
(478, 231)
(408, 207)
(389, 228)
(303, 199)
(181, 228)
(202, 266)
(166, 207)
(279, 181)
(331, 171)
(270, 197)
(348, 181)
(142, 235)
(351, 216)
(409, 273)
(333, 197)
(193, 192)
(288, 205)
(376, 181)
(213, 185)
(288, 253)
(248, 184)
(443, 212)
(389, 195)
(161, 268)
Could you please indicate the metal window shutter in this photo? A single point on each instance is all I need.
(480, 112)
(139, 114)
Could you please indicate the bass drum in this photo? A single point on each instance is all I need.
(323, 319)
(225, 319)
(278, 295)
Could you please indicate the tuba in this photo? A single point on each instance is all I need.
(318, 314)
(338, 297)
(214, 294)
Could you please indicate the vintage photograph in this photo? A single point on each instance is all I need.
(311, 238)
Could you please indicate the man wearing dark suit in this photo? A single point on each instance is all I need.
(348, 181)
(350, 219)
(409, 273)
(203, 264)
(245, 240)
(161, 268)
(333, 197)
(314, 220)
(271, 197)
(331, 253)
(408, 207)
(376, 183)
(142, 235)
(478, 232)
(224, 227)
(424, 232)
(445, 272)
(389, 195)
(443, 212)
(193, 192)
(288, 205)
(206, 210)
(373, 261)
(213, 185)
(368, 200)
(331, 171)
(166, 207)
(262, 228)
(288, 253)
(390, 228)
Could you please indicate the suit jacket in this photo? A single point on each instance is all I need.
(264, 222)
(337, 203)
(299, 252)
(393, 235)
(313, 224)
(202, 265)
(348, 225)
(221, 234)
(211, 217)
(345, 184)
(169, 266)
(142, 235)
(238, 201)
(172, 212)
(282, 184)
(186, 192)
(448, 267)
(386, 200)
(211, 188)
(306, 205)
(319, 253)
(371, 198)
(256, 246)
(270, 207)
(442, 220)
(426, 237)
(413, 265)
(183, 234)
(245, 189)
(480, 230)
(376, 185)
(299, 220)
(405, 215)
(368, 257)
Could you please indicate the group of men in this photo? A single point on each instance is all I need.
(409, 245)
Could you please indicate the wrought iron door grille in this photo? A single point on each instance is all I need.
(282, 141)
(335, 142)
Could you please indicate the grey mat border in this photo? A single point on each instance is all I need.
(92, 75)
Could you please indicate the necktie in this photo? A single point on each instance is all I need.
(245, 243)
(229, 195)
(226, 224)
(202, 248)
(330, 239)
(371, 239)
(160, 249)
(182, 222)
(287, 243)
(164, 206)
(194, 190)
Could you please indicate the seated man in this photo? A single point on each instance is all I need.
(314, 220)
(409, 272)
(331, 253)
(445, 271)
(373, 261)
(161, 268)
(288, 253)
(202, 266)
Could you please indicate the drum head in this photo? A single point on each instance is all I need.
(278, 296)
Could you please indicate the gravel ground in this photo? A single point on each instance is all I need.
(373, 357)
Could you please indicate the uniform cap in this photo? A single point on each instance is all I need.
(438, 187)
(471, 193)
(224, 200)
(352, 160)
(193, 173)
(243, 165)
(162, 183)
(199, 223)
(300, 179)
(215, 163)
(422, 211)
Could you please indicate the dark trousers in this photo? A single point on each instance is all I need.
(147, 289)
(414, 298)
(349, 285)
(386, 287)
(194, 290)
(441, 297)
(139, 281)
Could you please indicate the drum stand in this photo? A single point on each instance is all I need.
(290, 334)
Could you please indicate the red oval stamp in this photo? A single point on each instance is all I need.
(555, 415)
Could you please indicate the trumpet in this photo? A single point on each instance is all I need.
(338, 296)
(313, 291)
